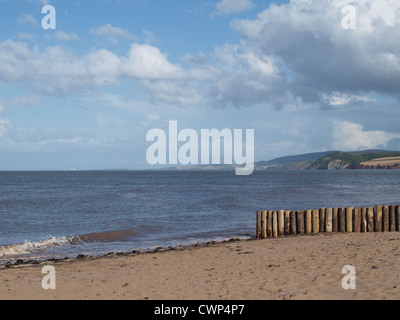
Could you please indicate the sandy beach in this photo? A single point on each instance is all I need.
(300, 268)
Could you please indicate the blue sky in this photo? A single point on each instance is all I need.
(85, 95)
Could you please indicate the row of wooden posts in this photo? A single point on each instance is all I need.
(372, 219)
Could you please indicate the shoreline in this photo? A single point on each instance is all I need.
(26, 262)
(288, 268)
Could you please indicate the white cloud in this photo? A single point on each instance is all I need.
(178, 92)
(27, 19)
(103, 67)
(290, 55)
(322, 57)
(245, 77)
(226, 7)
(350, 136)
(338, 99)
(147, 62)
(111, 33)
(55, 70)
(63, 36)
(233, 75)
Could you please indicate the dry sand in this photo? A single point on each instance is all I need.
(306, 267)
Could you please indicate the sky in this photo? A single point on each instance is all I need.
(305, 75)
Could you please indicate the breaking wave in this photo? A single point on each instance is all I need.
(29, 247)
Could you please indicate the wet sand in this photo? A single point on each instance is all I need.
(301, 268)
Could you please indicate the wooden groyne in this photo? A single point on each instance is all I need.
(280, 223)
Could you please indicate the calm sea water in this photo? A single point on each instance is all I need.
(58, 214)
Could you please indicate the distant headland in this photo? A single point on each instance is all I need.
(328, 160)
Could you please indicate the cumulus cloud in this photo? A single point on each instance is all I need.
(350, 136)
(55, 69)
(245, 77)
(321, 55)
(290, 55)
(146, 61)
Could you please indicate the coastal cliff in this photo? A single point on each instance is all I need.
(369, 159)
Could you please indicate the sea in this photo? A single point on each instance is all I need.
(54, 215)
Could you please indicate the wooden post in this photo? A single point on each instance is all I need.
(349, 219)
(258, 227)
(287, 223)
(264, 225)
(364, 223)
(392, 218)
(342, 220)
(308, 221)
(335, 220)
(275, 224)
(315, 221)
(370, 220)
(269, 224)
(328, 220)
(378, 218)
(397, 218)
(293, 222)
(300, 222)
(385, 219)
(322, 213)
(357, 220)
(281, 223)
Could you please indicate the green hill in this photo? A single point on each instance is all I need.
(349, 160)
(330, 160)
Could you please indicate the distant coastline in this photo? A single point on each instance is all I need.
(329, 160)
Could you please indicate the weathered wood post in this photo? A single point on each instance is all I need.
(378, 218)
(293, 222)
(392, 218)
(385, 219)
(301, 222)
(382, 218)
(275, 224)
(309, 221)
(370, 220)
(281, 223)
(287, 223)
(342, 220)
(335, 220)
(357, 220)
(349, 219)
(322, 213)
(315, 221)
(264, 225)
(258, 227)
(328, 221)
(269, 224)
(364, 223)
